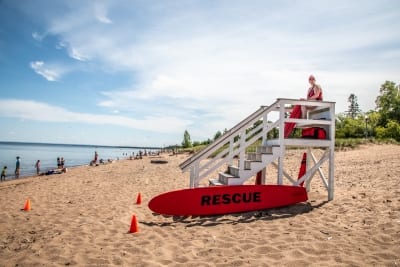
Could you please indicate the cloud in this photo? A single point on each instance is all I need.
(101, 14)
(212, 65)
(75, 54)
(38, 37)
(38, 111)
(49, 73)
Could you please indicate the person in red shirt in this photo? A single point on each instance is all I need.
(314, 93)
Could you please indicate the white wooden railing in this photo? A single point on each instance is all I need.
(233, 143)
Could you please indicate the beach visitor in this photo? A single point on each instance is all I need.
(56, 171)
(62, 162)
(37, 166)
(313, 93)
(17, 167)
(58, 162)
(94, 161)
(3, 173)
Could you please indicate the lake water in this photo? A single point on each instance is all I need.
(74, 155)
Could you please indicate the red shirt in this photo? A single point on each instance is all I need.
(312, 93)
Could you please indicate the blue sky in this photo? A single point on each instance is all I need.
(140, 73)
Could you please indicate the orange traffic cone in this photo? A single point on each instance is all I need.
(27, 205)
(134, 226)
(139, 199)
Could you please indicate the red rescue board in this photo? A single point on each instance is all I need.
(226, 199)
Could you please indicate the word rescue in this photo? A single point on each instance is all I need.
(236, 198)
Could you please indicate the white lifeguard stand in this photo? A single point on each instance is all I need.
(230, 149)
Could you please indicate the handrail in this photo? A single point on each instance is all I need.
(225, 137)
(282, 105)
(234, 143)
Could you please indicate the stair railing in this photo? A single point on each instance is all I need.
(231, 144)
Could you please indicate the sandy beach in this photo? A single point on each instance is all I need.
(82, 218)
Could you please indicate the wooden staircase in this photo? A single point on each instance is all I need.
(254, 162)
(230, 151)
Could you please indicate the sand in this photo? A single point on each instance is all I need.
(82, 218)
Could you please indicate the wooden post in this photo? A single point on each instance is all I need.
(308, 164)
(281, 142)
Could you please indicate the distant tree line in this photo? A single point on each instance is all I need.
(381, 123)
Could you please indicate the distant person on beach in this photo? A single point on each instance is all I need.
(17, 167)
(94, 161)
(3, 173)
(58, 163)
(57, 171)
(62, 162)
(313, 93)
(37, 166)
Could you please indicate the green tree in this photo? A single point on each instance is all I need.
(347, 127)
(186, 143)
(196, 143)
(354, 109)
(371, 122)
(388, 103)
(217, 135)
(391, 130)
(206, 142)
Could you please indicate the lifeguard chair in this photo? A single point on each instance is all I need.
(231, 149)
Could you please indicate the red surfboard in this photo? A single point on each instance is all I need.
(216, 200)
(289, 126)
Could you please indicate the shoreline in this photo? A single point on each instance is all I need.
(74, 155)
(34, 175)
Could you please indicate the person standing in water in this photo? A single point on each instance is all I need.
(3, 173)
(17, 167)
(37, 166)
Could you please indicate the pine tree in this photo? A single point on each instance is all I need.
(354, 109)
(186, 140)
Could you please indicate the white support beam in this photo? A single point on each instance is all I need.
(284, 173)
(201, 166)
(308, 164)
(331, 173)
(281, 142)
(321, 174)
(312, 171)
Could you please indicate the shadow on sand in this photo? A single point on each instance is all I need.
(238, 218)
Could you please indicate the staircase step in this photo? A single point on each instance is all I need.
(253, 156)
(247, 164)
(224, 177)
(254, 159)
(215, 182)
(264, 149)
(234, 170)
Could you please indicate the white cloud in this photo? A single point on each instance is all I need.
(49, 73)
(212, 65)
(74, 53)
(101, 14)
(37, 36)
(37, 111)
